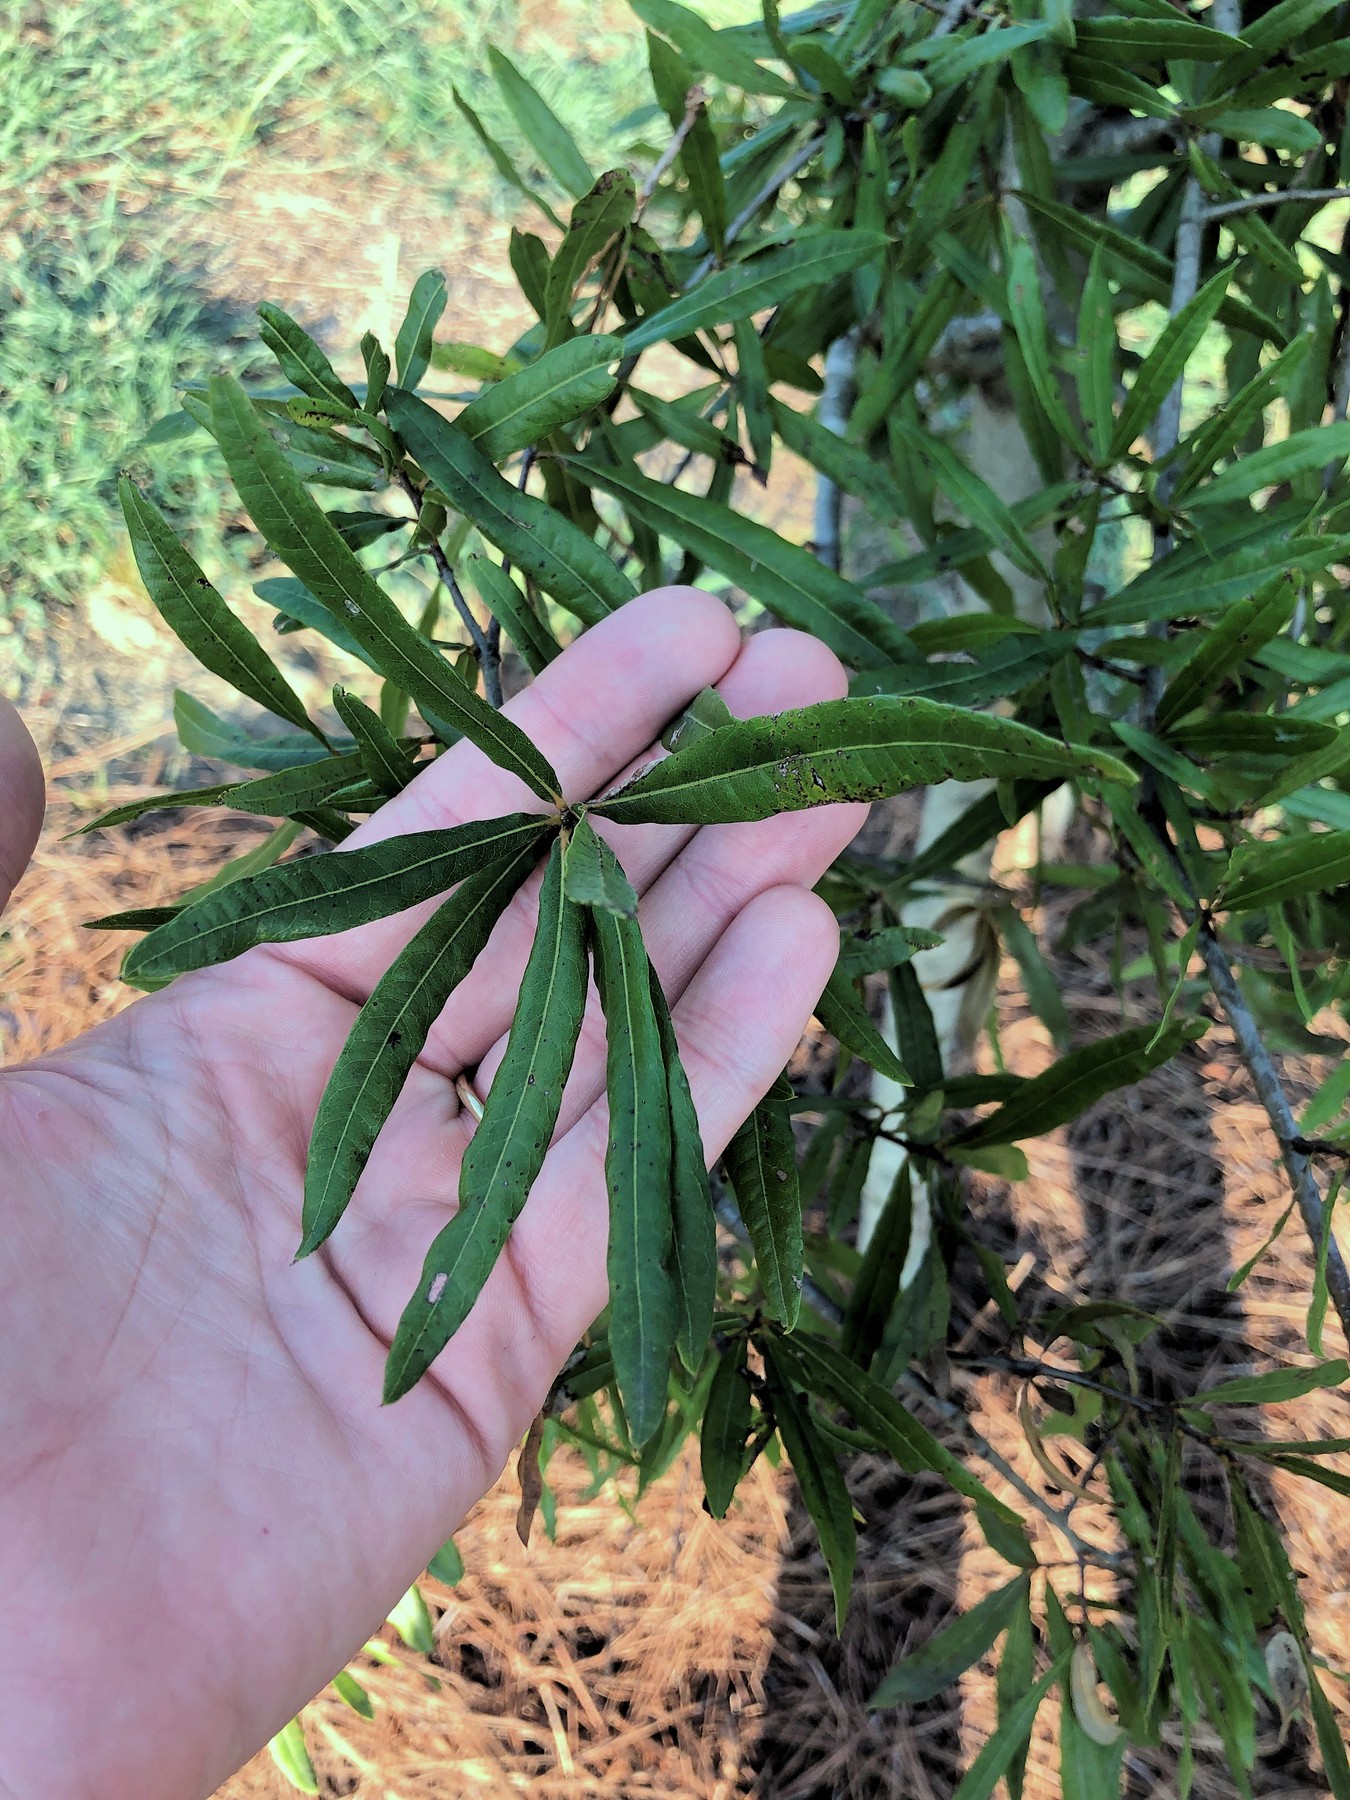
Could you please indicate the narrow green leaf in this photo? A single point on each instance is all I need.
(1076, 1081)
(500, 160)
(1264, 874)
(706, 712)
(1185, 586)
(1016, 1672)
(714, 52)
(1038, 980)
(350, 1690)
(876, 1411)
(877, 1284)
(1014, 1729)
(637, 1175)
(510, 1141)
(693, 1248)
(302, 362)
(297, 608)
(1228, 425)
(752, 390)
(541, 127)
(1151, 39)
(1005, 668)
(376, 358)
(411, 1620)
(847, 464)
(513, 612)
(447, 1565)
(1316, 765)
(823, 1492)
(844, 1016)
(560, 557)
(1096, 358)
(384, 761)
(597, 219)
(760, 282)
(839, 750)
(1027, 308)
(300, 534)
(390, 1033)
(761, 1163)
(593, 878)
(1275, 1384)
(323, 894)
(562, 385)
(726, 1426)
(866, 952)
(1316, 448)
(1243, 629)
(289, 1753)
(938, 1662)
(196, 614)
(1163, 365)
(976, 499)
(785, 578)
(412, 346)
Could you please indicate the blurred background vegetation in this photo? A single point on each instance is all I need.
(165, 164)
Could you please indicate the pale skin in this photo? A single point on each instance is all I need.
(204, 1509)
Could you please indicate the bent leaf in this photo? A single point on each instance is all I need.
(195, 613)
(561, 386)
(1264, 874)
(693, 1246)
(823, 1492)
(300, 533)
(844, 1016)
(863, 749)
(937, 1663)
(378, 750)
(389, 1034)
(301, 360)
(513, 612)
(784, 577)
(1076, 1081)
(726, 1426)
(592, 877)
(412, 346)
(763, 281)
(510, 1142)
(323, 894)
(541, 126)
(761, 1163)
(560, 557)
(637, 1175)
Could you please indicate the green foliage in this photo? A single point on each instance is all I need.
(1157, 622)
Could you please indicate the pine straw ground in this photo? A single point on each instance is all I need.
(660, 1654)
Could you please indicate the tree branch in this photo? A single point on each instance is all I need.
(488, 653)
(1226, 209)
(693, 100)
(1260, 1066)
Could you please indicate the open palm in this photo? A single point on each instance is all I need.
(204, 1510)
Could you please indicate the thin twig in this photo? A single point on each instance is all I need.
(1270, 1091)
(1226, 209)
(489, 659)
(693, 100)
(820, 1302)
(769, 189)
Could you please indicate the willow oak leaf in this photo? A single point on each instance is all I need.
(318, 895)
(303, 537)
(643, 1314)
(390, 1033)
(510, 1141)
(840, 750)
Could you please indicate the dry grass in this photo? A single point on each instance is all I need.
(661, 1654)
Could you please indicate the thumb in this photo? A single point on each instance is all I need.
(22, 799)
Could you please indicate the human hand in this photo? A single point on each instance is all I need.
(204, 1511)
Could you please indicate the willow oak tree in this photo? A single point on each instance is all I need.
(958, 259)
